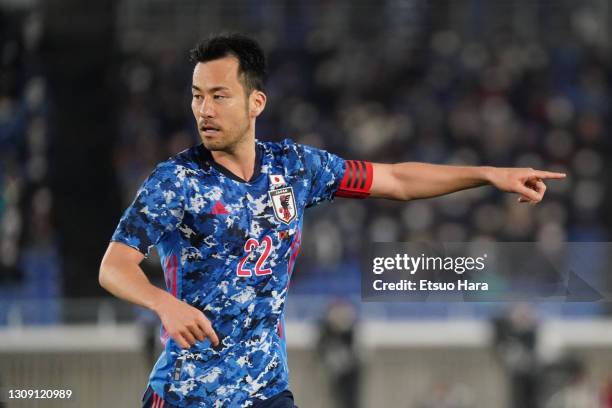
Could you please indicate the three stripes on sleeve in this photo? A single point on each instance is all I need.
(357, 180)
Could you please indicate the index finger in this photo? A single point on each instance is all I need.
(208, 330)
(549, 174)
(210, 333)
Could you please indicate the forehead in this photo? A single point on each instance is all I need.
(219, 72)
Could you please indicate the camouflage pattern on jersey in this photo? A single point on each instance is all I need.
(228, 248)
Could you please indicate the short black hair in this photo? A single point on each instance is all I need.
(250, 56)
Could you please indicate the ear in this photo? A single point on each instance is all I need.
(257, 103)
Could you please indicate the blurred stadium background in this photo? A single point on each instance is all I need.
(94, 94)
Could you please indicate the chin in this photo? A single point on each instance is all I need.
(211, 145)
(214, 145)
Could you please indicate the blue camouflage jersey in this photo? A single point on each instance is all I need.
(228, 247)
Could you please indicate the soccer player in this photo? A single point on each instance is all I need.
(225, 217)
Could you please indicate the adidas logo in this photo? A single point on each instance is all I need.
(219, 209)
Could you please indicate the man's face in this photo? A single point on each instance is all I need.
(220, 104)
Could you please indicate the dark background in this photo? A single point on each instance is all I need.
(93, 95)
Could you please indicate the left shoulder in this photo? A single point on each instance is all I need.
(288, 147)
(285, 146)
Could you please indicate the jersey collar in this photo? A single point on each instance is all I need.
(205, 160)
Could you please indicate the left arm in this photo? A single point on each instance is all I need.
(410, 181)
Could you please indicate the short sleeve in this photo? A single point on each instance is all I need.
(157, 210)
(326, 170)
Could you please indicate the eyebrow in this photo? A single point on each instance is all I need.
(213, 89)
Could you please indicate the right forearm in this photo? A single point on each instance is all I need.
(184, 323)
(130, 283)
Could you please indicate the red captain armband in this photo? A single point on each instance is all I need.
(357, 179)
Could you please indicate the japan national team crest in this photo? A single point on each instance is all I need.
(283, 203)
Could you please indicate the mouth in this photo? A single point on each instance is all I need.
(209, 130)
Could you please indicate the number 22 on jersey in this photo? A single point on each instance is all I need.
(249, 247)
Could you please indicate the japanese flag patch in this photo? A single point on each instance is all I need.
(277, 180)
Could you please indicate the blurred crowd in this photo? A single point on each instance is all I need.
(28, 259)
(517, 83)
(390, 83)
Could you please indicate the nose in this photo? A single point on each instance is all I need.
(206, 108)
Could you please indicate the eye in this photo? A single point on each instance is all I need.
(198, 97)
(219, 97)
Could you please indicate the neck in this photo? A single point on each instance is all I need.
(240, 160)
